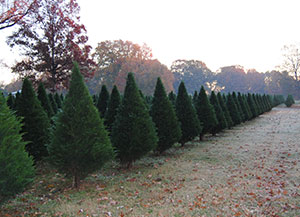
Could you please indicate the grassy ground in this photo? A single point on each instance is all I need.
(250, 170)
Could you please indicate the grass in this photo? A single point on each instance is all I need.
(250, 170)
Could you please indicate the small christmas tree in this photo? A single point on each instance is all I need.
(233, 110)
(45, 102)
(164, 117)
(35, 123)
(16, 170)
(80, 144)
(112, 108)
(252, 105)
(238, 106)
(289, 101)
(103, 101)
(225, 110)
(222, 123)
(187, 116)
(245, 110)
(133, 134)
(206, 113)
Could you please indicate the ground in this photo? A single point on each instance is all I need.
(250, 170)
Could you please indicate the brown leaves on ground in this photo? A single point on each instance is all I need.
(251, 170)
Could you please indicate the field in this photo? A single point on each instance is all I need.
(250, 170)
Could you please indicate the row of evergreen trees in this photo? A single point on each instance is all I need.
(80, 133)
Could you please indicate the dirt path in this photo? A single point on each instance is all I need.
(251, 170)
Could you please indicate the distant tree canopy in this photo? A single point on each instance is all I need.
(115, 59)
(50, 39)
(193, 73)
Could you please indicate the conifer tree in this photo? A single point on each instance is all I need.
(195, 98)
(165, 119)
(35, 122)
(11, 101)
(252, 105)
(95, 99)
(58, 100)
(187, 116)
(103, 101)
(53, 103)
(172, 98)
(206, 113)
(222, 123)
(267, 101)
(133, 134)
(247, 115)
(225, 110)
(289, 101)
(80, 144)
(233, 110)
(112, 108)
(238, 106)
(44, 100)
(16, 170)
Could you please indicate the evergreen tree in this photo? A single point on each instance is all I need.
(225, 110)
(172, 98)
(238, 106)
(95, 99)
(80, 144)
(58, 100)
(195, 98)
(44, 100)
(53, 103)
(289, 101)
(103, 101)
(16, 170)
(35, 123)
(187, 116)
(222, 123)
(112, 108)
(206, 113)
(267, 101)
(246, 112)
(133, 134)
(11, 101)
(233, 110)
(164, 117)
(252, 105)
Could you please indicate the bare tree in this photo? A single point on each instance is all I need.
(291, 63)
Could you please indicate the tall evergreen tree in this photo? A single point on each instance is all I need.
(44, 100)
(222, 123)
(246, 112)
(53, 103)
(16, 169)
(165, 119)
(112, 108)
(252, 105)
(172, 98)
(238, 106)
(58, 100)
(133, 133)
(80, 144)
(225, 110)
(233, 110)
(35, 123)
(206, 113)
(187, 116)
(103, 101)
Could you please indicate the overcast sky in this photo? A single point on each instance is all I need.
(220, 33)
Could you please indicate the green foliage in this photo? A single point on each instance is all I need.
(225, 110)
(58, 100)
(35, 123)
(238, 106)
(103, 101)
(112, 108)
(164, 117)
(245, 107)
(252, 105)
(187, 116)
(53, 103)
(133, 133)
(289, 101)
(172, 98)
(16, 170)
(45, 102)
(233, 110)
(222, 123)
(206, 112)
(11, 102)
(80, 144)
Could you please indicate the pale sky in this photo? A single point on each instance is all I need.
(220, 33)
